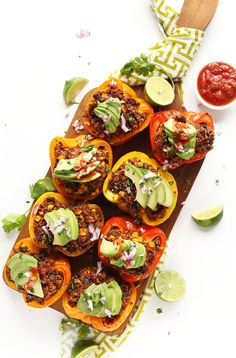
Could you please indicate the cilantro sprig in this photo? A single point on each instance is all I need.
(40, 187)
(12, 222)
(140, 65)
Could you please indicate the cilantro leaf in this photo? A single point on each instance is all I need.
(140, 65)
(40, 187)
(13, 221)
(88, 148)
(84, 332)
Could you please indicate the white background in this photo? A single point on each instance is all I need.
(39, 51)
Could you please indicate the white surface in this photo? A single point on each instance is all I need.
(39, 51)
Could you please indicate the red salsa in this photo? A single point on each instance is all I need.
(217, 83)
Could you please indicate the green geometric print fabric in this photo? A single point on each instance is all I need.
(171, 56)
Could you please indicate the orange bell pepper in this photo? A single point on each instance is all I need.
(80, 190)
(34, 215)
(116, 198)
(100, 323)
(61, 264)
(117, 139)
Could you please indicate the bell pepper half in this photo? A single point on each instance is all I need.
(119, 190)
(80, 282)
(75, 173)
(60, 265)
(116, 230)
(130, 117)
(89, 217)
(166, 153)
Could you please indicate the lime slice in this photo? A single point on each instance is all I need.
(82, 349)
(158, 91)
(209, 217)
(170, 286)
(73, 87)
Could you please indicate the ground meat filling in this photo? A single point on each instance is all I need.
(120, 184)
(115, 234)
(51, 279)
(204, 141)
(130, 110)
(93, 186)
(89, 218)
(89, 275)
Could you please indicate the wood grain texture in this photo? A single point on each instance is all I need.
(184, 176)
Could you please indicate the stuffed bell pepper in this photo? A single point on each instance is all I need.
(39, 276)
(132, 250)
(114, 113)
(180, 138)
(70, 228)
(99, 299)
(138, 186)
(79, 167)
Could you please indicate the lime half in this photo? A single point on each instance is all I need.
(82, 349)
(158, 91)
(170, 286)
(73, 87)
(209, 217)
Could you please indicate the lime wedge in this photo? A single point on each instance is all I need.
(209, 217)
(158, 91)
(82, 349)
(73, 87)
(170, 286)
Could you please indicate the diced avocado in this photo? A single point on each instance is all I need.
(108, 248)
(20, 257)
(169, 200)
(63, 224)
(19, 267)
(136, 176)
(37, 290)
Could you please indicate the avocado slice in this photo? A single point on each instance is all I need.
(153, 196)
(140, 256)
(21, 257)
(18, 267)
(109, 111)
(22, 277)
(37, 289)
(161, 194)
(136, 176)
(110, 294)
(108, 248)
(70, 224)
(169, 199)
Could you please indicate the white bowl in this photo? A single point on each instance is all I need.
(205, 103)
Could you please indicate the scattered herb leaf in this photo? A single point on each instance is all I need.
(88, 148)
(40, 187)
(12, 222)
(84, 332)
(140, 65)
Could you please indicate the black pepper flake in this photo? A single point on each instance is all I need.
(159, 310)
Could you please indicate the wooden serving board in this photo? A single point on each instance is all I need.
(184, 176)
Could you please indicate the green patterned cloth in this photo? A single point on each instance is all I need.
(172, 56)
(73, 330)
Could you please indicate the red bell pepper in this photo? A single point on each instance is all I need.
(192, 118)
(152, 238)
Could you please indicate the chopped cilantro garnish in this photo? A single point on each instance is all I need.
(41, 186)
(88, 148)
